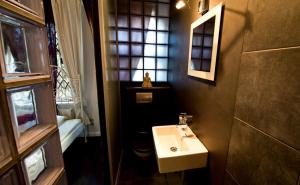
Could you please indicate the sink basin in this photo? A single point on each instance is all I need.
(177, 149)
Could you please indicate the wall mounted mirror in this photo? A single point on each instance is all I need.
(204, 37)
(23, 104)
(14, 45)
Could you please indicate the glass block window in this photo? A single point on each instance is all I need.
(139, 39)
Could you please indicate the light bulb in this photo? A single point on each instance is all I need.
(180, 4)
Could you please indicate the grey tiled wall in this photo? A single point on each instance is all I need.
(272, 24)
(257, 91)
(228, 180)
(265, 139)
(268, 96)
(211, 105)
(256, 158)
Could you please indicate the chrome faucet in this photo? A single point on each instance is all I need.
(184, 119)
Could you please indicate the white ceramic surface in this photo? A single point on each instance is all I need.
(190, 153)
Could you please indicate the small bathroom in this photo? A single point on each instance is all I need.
(149, 92)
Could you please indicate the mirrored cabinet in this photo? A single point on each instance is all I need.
(62, 180)
(31, 9)
(34, 6)
(30, 149)
(5, 153)
(10, 177)
(44, 164)
(32, 113)
(24, 51)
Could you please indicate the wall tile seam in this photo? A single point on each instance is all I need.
(230, 134)
(236, 83)
(273, 49)
(239, 70)
(268, 135)
(244, 30)
(232, 177)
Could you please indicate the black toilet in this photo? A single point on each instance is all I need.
(142, 145)
(143, 109)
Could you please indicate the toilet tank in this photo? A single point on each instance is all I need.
(143, 108)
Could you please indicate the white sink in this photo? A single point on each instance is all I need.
(178, 149)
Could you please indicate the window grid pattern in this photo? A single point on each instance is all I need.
(63, 91)
(140, 38)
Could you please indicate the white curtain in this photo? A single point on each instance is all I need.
(74, 34)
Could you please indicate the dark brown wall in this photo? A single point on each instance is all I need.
(265, 140)
(254, 104)
(212, 105)
(111, 90)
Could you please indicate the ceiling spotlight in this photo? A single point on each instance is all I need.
(180, 4)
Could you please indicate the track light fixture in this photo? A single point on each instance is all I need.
(180, 4)
(202, 5)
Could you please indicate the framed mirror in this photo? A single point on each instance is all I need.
(14, 46)
(23, 104)
(35, 164)
(203, 48)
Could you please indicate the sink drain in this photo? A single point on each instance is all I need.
(173, 149)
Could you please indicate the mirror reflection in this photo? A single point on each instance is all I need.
(15, 52)
(202, 43)
(203, 46)
(24, 110)
(35, 164)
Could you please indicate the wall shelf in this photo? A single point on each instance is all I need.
(51, 175)
(7, 166)
(24, 54)
(5, 153)
(24, 81)
(28, 126)
(53, 162)
(32, 113)
(22, 10)
(62, 180)
(10, 178)
(34, 136)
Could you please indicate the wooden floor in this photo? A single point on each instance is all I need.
(84, 162)
(135, 171)
(84, 166)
